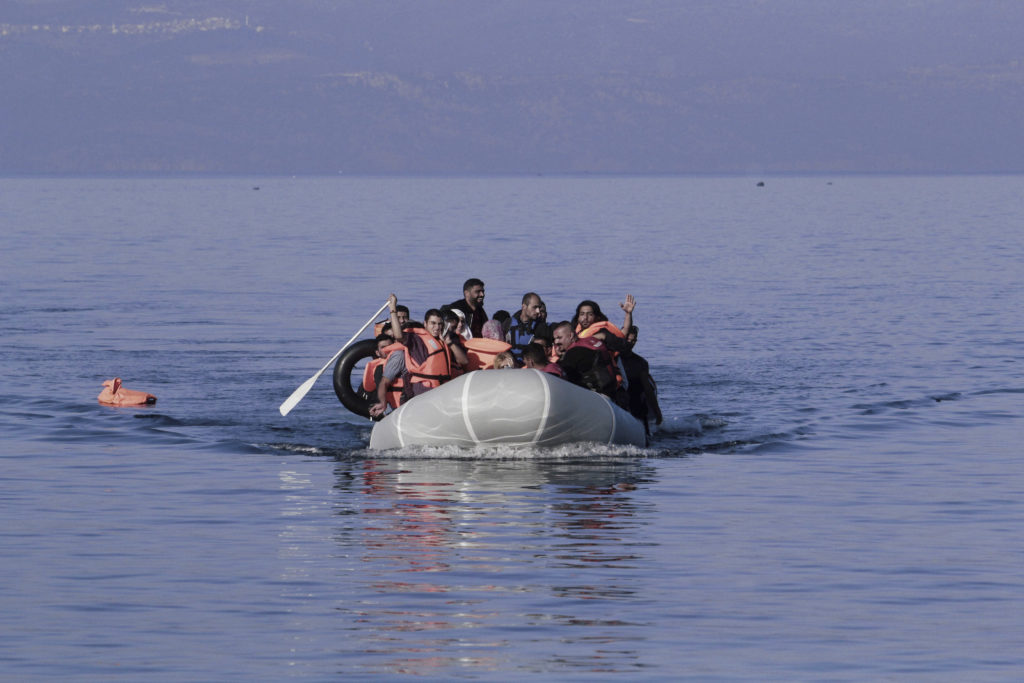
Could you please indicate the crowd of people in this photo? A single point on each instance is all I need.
(588, 350)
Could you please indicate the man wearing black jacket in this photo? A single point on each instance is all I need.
(472, 304)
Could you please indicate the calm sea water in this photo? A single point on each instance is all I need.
(837, 493)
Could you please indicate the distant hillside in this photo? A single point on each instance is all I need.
(521, 86)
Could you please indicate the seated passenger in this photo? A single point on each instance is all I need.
(492, 330)
(589, 318)
(384, 326)
(455, 320)
(587, 362)
(422, 357)
(505, 319)
(374, 372)
(504, 360)
(472, 305)
(403, 314)
(527, 324)
(534, 356)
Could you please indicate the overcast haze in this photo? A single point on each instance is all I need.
(517, 86)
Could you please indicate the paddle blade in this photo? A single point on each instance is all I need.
(297, 395)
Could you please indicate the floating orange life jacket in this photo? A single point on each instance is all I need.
(114, 394)
(482, 352)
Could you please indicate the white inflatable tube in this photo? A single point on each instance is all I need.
(514, 407)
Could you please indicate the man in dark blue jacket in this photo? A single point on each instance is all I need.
(527, 323)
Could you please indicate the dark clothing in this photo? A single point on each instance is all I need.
(638, 372)
(589, 364)
(520, 334)
(475, 319)
(616, 344)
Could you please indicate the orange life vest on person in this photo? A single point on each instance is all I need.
(553, 354)
(613, 329)
(482, 352)
(435, 369)
(597, 327)
(369, 384)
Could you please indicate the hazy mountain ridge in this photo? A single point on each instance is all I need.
(323, 87)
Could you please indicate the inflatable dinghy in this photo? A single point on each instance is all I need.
(511, 407)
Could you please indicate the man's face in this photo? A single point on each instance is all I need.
(631, 338)
(403, 317)
(474, 296)
(531, 309)
(586, 317)
(563, 339)
(381, 346)
(433, 325)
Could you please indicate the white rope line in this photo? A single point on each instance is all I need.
(547, 406)
(465, 407)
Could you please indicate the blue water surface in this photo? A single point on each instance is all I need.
(836, 493)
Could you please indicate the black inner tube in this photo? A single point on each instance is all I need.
(356, 400)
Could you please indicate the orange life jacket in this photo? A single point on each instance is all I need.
(597, 327)
(482, 352)
(114, 394)
(369, 385)
(613, 329)
(553, 354)
(435, 369)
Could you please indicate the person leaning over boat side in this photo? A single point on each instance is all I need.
(527, 324)
(472, 304)
(422, 358)
(534, 356)
(642, 389)
(587, 362)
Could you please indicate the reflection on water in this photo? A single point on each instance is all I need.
(463, 556)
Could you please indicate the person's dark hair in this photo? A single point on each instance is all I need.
(633, 329)
(402, 308)
(501, 316)
(471, 283)
(535, 352)
(598, 315)
(383, 336)
(431, 313)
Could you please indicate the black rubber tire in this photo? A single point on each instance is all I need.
(349, 397)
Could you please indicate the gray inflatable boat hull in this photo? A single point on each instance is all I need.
(511, 407)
